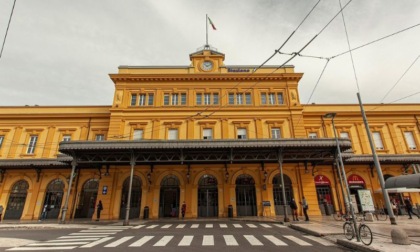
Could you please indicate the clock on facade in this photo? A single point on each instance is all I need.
(207, 65)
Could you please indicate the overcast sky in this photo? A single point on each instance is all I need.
(60, 52)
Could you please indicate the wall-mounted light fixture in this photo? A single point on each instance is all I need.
(226, 174)
(149, 178)
(265, 176)
(106, 174)
(188, 174)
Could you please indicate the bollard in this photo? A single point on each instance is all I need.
(400, 237)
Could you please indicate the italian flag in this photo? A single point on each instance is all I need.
(211, 23)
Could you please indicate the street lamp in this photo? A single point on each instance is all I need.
(340, 159)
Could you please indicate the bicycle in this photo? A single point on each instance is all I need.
(363, 231)
(339, 216)
(380, 214)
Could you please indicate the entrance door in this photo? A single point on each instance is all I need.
(86, 206)
(278, 194)
(16, 201)
(135, 198)
(53, 198)
(208, 197)
(245, 196)
(169, 197)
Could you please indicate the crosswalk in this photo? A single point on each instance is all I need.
(107, 237)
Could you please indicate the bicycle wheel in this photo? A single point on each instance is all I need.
(337, 216)
(381, 216)
(348, 230)
(365, 234)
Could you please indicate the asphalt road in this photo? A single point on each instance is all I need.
(168, 236)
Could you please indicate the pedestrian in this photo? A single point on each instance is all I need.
(44, 212)
(409, 208)
(394, 207)
(1, 211)
(183, 209)
(305, 207)
(98, 210)
(293, 206)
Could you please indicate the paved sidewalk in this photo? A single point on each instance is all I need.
(324, 226)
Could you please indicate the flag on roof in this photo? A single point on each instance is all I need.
(211, 23)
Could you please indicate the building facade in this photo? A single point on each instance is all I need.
(227, 140)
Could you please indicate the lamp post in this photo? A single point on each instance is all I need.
(340, 159)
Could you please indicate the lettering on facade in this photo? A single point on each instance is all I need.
(321, 180)
(355, 180)
(240, 70)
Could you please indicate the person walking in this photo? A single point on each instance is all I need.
(1, 211)
(293, 206)
(98, 210)
(305, 207)
(409, 208)
(44, 212)
(183, 209)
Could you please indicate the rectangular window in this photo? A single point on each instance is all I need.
(99, 137)
(1, 141)
(241, 133)
(165, 99)
(207, 133)
(344, 135)
(207, 99)
(173, 134)
(174, 99)
(183, 99)
(312, 135)
(408, 137)
(32, 144)
(248, 98)
(133, 99)
(275, 133)
(272, 98)
(263, 98)
(239, 99)
(142, 100)
(231, 99)
(215, 98)
(378, 140)
(66, 138)
(151, 99)
(280, 98)
(138, 134)
(198, 98)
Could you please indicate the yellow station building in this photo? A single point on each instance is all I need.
(212, 135)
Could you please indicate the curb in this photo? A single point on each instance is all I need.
(305, 230)
(356, 246)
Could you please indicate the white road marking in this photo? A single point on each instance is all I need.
(230, 240)
(141, 241)
(265, 225)
(118, 242)
(275, 240)
(99, 231)
(40, 248)
(56, 243)
(167, 226)
(152, 226)
(162, 242)
(208, 240)
(79, 239)
(209, 225)
(138, 227)
(253, 241)
(280, 226)
(297, 240)
(180, 226)
(92, 244)
(195, 225)
(223, 225)
(319, 240)
(237, 225)
(251, 225)
(186, 240)
(79, 235)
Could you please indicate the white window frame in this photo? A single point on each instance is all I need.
(199, 98)
(272, 98)
(66, 138)
(1, 140)
(138, 134)
(207, 133)
(166, 99)
(99, 137)
(263, 98)
(377, 138)
(241, 133)
(275, 133)
(142, 99)
(150, 99)
(174, 99)
(344, 134)
(312, 135)
(133, 99)
(215, 98)
(173, 134)
(32, 144)
(409, 137)
(206, 100)
(239, 99)
(183, 99)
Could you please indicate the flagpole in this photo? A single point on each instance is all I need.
(207, 32)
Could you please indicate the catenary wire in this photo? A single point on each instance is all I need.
(7, 29)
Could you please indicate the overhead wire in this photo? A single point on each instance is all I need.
(7, 29)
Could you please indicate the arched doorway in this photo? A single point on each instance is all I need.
(17, 200)
(135, 198)
(323, 193)
(169, 197)
(246, 203)
(278, 194)
(53, 198)
(87, 200)
(207, 197)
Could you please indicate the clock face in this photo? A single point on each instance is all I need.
(207, 65)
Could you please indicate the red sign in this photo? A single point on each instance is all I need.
(355, 180)
(321, 180)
